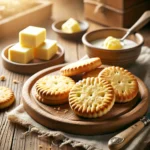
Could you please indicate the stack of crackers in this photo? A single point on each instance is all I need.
(92, 96)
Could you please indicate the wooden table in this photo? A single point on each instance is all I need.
(11, 137)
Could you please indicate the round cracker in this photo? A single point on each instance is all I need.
(51, 101)
(124, 83)
(81, 66)
(6, 97)
(91, 97)
(54, 87)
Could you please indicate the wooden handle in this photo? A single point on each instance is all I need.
(121, 139)
(143, 20)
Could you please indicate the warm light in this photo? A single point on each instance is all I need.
(10, 7)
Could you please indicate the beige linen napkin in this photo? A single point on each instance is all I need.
(142, 142)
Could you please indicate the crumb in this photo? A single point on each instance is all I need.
(15, 81)
(54, 108)
(58, 108)
(66, 110)
(40, 146)
(2, 78)
(56, 111)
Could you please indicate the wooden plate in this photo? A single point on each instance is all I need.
(56, 26)
(62, 117)
(35, 65)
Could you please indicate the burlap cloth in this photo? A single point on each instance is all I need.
(142, 142)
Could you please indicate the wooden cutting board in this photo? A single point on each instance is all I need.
(62, 117)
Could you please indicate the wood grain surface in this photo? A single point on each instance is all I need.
(11, 135)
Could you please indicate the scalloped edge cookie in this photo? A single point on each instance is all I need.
(81, 66)
(124, 83)
(91, 97)
(54, 87)
(6, 97)
(50, 101)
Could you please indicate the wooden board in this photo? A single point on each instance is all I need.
(54, 117)
(33, 16)
(122, 4)
(33, 66)
(117, 18)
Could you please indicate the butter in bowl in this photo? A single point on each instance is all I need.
(123, 56)
(71, 28)
(116, 46)
(32, 44)
(33, 52)
(112, 43)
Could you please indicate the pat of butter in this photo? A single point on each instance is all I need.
(20, 54)
(71, 26)
(32, 36)
(47, 50)
(112, 43)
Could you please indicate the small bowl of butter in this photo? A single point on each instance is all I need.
(71, 28)
(106, 44)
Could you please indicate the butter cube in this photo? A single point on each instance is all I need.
(71, 26)
(20, 54)
(47, 50)
(32, 36)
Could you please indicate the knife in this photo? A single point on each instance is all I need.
(120, 140)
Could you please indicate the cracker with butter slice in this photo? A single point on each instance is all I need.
(54, 88)
(6, 97)
(91, 97)
(81, 66)
(124, 83)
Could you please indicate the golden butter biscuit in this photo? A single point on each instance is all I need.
(91, 97)
(81, 66)
(93, 73)
(54, 87)
(124, 83)
(6, 97)
(50, 101)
